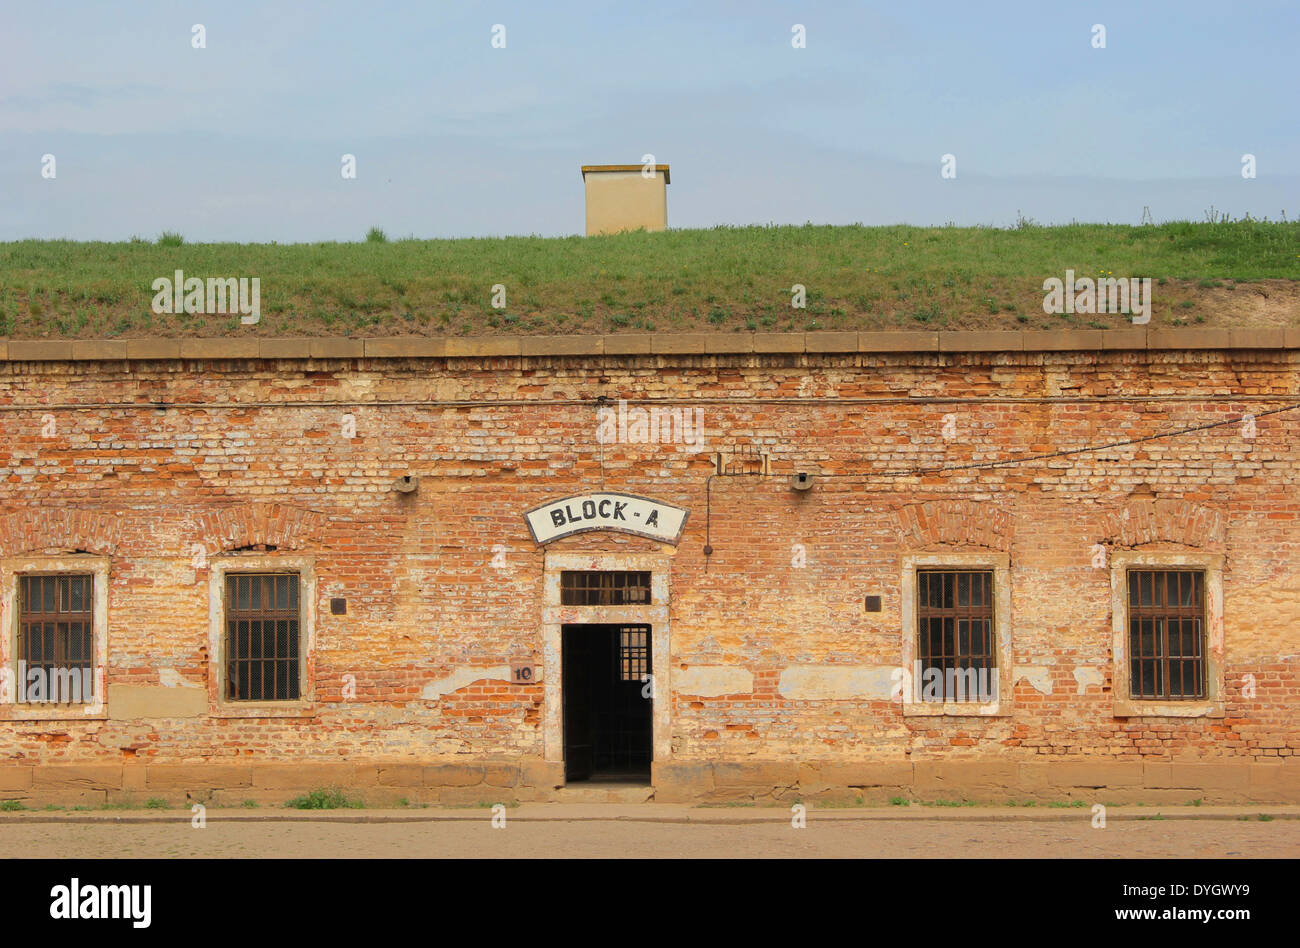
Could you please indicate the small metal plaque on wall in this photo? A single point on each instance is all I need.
(523, 674)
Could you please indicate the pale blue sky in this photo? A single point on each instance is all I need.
(242, 140)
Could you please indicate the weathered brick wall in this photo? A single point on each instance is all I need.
(251, 453)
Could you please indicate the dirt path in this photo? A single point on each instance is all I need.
(597, 833)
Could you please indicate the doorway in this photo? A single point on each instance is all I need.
(608, 724)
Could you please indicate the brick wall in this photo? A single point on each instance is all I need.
(164, 466)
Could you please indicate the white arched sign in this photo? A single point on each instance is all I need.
(624, 513)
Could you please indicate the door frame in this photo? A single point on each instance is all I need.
(556, 616)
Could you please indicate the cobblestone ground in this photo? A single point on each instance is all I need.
(697, 834)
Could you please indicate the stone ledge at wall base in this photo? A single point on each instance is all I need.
(470, 782)
(997, 781)
(232, 783)
(663, 344)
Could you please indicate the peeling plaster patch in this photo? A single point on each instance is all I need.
(713, 681)
(137, 702)
(171, 678)
(1087, 675)
(1040, 676)
(1274, 616)
(462, 677)
(827, 682)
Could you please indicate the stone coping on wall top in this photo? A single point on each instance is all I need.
(589, 169)
(702, 343)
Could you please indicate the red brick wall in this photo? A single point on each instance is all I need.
(256, 456)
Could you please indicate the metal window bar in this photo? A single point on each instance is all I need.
(56, 637)
(956, 641)
(1166, 614)
(262, 637)
(633, 653)
(604, 588)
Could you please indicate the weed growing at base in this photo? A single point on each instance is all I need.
(324, 800)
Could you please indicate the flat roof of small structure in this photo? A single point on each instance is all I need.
(663, 168)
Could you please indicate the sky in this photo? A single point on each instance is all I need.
(242, 139)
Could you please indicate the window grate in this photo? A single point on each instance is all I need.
(56, 639)
(604, 588)
(956, 651)
(262, 643)
(633, 652)
(1166, 615)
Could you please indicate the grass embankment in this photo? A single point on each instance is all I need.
(1243, 274)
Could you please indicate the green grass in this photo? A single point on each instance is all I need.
(324, 800)
(839, 803)
(722, 279)
(10, 805)
(125, 803)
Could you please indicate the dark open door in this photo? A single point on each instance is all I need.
(577, 659)
(608, 714)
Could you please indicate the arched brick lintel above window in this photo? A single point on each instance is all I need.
(59, 530)
(954, 522)
(271, 526)
(1142, 521)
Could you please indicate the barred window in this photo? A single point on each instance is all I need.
(1166, 616)
(633, 652)
(604, 588)
(56, 639)
(956, 652)
(262, 637)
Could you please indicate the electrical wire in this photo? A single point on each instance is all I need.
(986, 465)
